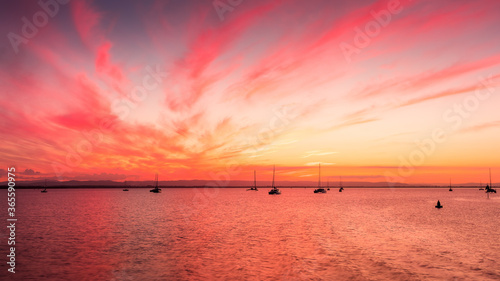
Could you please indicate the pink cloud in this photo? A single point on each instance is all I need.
(425, 79)
(86, 20)
(104, 65)
(480, 127)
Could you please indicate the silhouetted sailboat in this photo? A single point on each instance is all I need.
(319, 189)
(481, 185)
(44, 188)
(341, 188)
(450, 186)
(156, 189)
(439, 206)
(254, 183)
(274, 190)
(125, 189)
(328, 184)
(490, 189)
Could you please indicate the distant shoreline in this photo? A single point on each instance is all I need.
(241, 187)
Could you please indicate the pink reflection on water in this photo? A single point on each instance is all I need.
(361, 234)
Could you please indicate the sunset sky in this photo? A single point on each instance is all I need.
(403, 91)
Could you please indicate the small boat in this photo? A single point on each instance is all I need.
(489, 188)
(254, 183)
(156, 189)
(450, 186)
(44, 188)
(319, 189)
(340, 184)
(439, 206)
(327, 184)
(125, 189)
(481, 185)
(274, 190)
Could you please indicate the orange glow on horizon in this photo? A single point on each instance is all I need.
(123, 93)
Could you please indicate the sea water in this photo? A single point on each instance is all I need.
(234, 234)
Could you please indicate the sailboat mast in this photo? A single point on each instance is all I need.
(490, 178)
(319, 175)
(254, 180)
(274, 168)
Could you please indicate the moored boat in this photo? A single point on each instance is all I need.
(489, 188)
(44, 188)
(156, 189)
(254, 183)
(274, 190)
(319, 189)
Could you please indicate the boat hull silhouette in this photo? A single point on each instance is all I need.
(274, 191)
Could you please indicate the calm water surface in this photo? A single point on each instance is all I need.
(233, 234)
